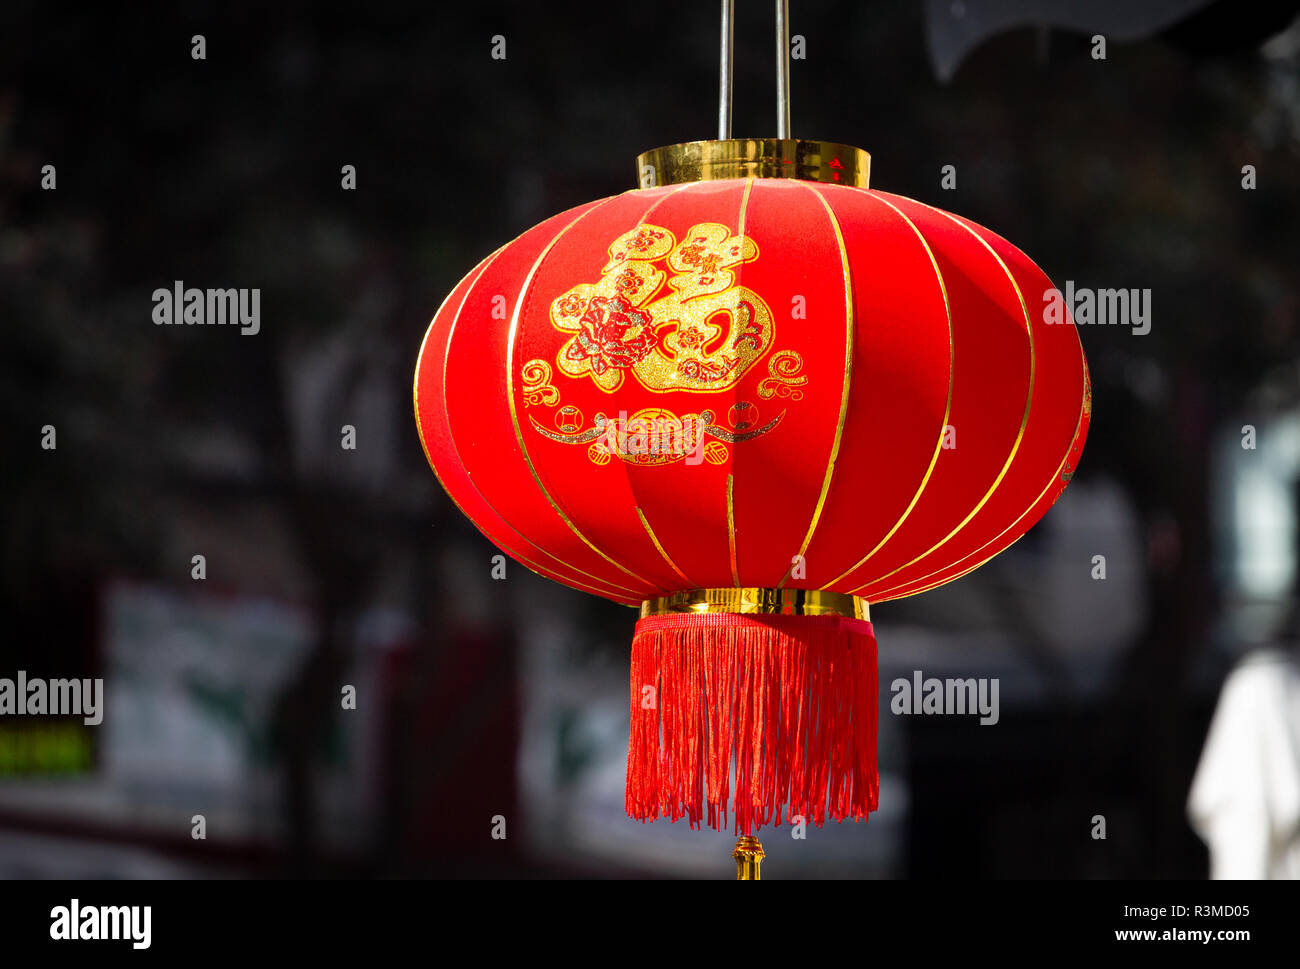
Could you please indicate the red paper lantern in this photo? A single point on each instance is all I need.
(751, 401)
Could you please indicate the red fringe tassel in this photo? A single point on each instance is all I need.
(787, 703)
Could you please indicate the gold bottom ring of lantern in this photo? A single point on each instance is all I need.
(759, 602)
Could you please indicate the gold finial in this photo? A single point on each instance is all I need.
(749, 855)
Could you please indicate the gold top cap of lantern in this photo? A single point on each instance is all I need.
(705, 161)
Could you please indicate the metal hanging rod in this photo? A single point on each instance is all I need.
(724, 85)
(783, 68)
(727, 62)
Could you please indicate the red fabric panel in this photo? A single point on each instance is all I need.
(1053, 439)
(899, 387)
(779, 476)
(479, 421)
(991, 359)
(685, 505)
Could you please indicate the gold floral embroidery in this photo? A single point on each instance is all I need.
(538, 388)
(785, 372)
(702, 334)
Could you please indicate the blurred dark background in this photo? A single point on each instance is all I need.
(479, 698)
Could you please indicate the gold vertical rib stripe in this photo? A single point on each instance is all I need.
(731, 506)
(514, 415)
(644, 521)
(446, 364)
(1024, 420)
(731, 532)
(849, 334)
(1078, 425)
(947, 409)
(624, 595)
(655, 539)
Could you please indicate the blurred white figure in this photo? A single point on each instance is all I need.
(1245, 798)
